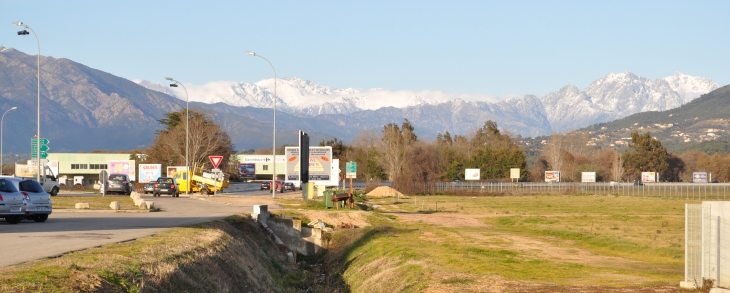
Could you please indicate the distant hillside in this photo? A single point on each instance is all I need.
(702, 124)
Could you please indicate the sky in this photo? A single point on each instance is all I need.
(499, 48)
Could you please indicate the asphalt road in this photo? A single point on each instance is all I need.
(66, 231)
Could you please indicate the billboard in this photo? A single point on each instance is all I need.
(471, 174)
(588, 177)
(648, 177)
(123, 167)
(149, 172)
(514, 173)
(172, 169)
(552, 176)
(699, 177)
(247, 170)
(320, 163)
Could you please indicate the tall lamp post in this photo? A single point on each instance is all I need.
(273, 178)
(38, 134)
(187, 128)
(1, 137)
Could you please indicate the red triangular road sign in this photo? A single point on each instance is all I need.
(215, 160)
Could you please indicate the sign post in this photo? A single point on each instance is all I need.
(351, 172)
(215, 160)
(43, 148)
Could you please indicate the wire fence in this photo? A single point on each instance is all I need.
(698, 191)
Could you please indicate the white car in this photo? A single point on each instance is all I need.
(37, 204)
(11, 202)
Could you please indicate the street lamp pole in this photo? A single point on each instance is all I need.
(38, 134)
(187, 129)
(1, 137)
(273, 178)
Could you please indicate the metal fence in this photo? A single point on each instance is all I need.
(700, 191)
(707, 245)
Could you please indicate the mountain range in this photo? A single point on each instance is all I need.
(615, 96)
(84, 109)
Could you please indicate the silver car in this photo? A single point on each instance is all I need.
(37, 204)
(11, 202)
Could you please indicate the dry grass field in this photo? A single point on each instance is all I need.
(517, 244)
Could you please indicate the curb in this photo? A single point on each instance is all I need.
(102, 211)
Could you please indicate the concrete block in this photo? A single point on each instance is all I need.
(150, 205)
(82, 205)
(114, 205)
(139, 202)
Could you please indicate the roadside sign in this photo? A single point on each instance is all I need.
(351, 169)
(215, 160)
(43, 148)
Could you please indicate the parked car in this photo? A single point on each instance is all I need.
(289, 186)
(11, 202)
(266, 185)
(149, 187)
(118, 183)
(166, 185)
(614, 184)
(279, 185)
(714, 181)
(37, 204)
(638, 183)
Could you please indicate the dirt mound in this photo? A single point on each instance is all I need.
(384, 191)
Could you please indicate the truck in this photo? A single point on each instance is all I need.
(202, 181)
(48, 180)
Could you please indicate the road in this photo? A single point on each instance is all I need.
(66, 231)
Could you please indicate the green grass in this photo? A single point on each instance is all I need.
(95, 202)
(638, 242)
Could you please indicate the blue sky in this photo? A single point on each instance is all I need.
(490, 47)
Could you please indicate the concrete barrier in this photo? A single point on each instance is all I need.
(114, 205)
(82, 205)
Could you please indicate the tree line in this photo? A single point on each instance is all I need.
(395, 153)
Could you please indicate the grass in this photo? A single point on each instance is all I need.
(552, 240)
(95, 202)
(209, 257)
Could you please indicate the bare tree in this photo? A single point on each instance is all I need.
(617, 168)
(205, 139)
(553, 152)
(397, 140)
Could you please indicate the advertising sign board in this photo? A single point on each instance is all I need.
(320, 163)
(172, 169)
(552, 176)
(699, 177)
(149, 172)
(588, 177)
(247, 170)
(123, 167)
(648, 177)
(471, 174)
(514, 173)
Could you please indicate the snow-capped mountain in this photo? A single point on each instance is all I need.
(619, 95)
(615, 96)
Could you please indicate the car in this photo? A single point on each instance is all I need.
(166, 185)
(638, 183)
(456, 181)
(266, 185)
(714, 181)
(289, 186)
(37, 204)
(614, 184)
(279, 185)
(118, 183)
(11, 202)
(149, 187)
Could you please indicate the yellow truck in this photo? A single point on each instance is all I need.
(203, 181)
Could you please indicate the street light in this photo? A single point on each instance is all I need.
(38, 134)
(1, 137)
(187, 128)
(273, 178)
